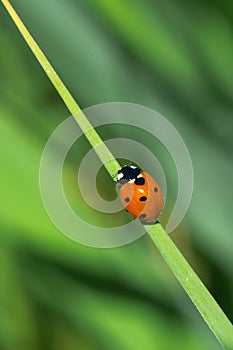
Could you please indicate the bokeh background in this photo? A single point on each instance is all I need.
(175, 57)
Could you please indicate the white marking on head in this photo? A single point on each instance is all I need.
(132, 166)
(131, 181)
(119, 176)
(140, 175)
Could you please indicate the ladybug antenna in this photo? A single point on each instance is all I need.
(132, 163)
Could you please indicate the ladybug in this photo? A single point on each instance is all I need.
(140, 194)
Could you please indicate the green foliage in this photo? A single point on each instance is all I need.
(56, 294)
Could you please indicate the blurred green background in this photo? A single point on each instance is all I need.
(175, 57)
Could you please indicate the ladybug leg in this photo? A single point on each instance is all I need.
(150, 222)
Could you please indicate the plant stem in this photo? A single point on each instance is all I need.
(96, 142)
(198, 293)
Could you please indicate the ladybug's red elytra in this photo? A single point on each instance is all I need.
(140, 194)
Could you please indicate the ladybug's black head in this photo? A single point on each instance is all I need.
(127, 173)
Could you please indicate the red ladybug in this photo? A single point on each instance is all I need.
(140, 194)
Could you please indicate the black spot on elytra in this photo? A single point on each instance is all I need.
(127, 199)
(143, 199)
(156, 189)
(139, 181)
(142, 216)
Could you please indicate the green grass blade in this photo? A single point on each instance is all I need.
(102, 151)
(198, 293)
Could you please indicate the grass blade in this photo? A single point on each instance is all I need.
(198, 293)
(102, 151)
